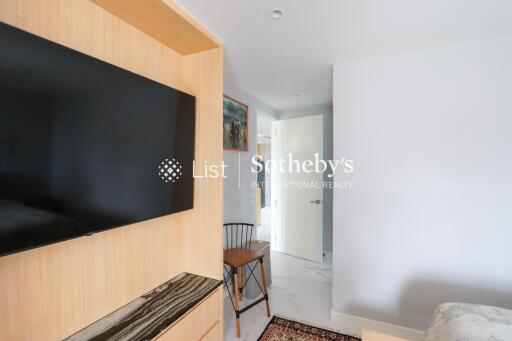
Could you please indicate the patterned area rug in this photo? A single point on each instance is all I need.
(279, 329)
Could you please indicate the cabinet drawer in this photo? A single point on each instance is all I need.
(199, 322)
(214, 334)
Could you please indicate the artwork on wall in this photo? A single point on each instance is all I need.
(236, 126)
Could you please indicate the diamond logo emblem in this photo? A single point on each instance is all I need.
(169, 170)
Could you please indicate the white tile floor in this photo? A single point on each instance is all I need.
(300, 290)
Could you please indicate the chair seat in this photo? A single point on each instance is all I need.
(241, 256)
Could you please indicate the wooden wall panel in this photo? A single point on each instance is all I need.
(153, 17)
(198, 67)
(50, 292)
(198, 322)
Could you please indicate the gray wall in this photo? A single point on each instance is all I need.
(429, 217)
(239, 196)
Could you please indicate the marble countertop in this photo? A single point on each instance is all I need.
(149, 315)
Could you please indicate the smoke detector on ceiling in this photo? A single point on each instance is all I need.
(276, 13)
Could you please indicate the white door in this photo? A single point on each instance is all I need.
(298, 195)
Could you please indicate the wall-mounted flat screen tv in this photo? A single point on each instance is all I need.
(85, 146)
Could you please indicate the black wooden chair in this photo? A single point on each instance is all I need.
(237, 255)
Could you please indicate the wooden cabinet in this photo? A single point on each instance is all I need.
(214, 334)
(204, 322)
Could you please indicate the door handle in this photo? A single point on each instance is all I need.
(318, 202)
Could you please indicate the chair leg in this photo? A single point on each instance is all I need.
(233, 280)
(264, 280)
(235, 287)
(237, 304)
(242, 283)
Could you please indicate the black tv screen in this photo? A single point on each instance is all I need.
(85, 146)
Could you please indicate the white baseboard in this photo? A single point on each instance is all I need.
(354, 325)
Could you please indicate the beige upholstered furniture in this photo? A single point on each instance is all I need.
(474, 322)
(462, 322)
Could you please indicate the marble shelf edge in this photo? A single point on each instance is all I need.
(149, 315)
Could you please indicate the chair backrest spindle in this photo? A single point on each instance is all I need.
(238, 235)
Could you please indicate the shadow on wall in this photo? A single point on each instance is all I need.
(420, 298)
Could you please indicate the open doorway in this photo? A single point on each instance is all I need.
(264, 179)
(293, 216)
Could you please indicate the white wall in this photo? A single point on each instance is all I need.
(429, 218)
(265, 125)
(239, 196)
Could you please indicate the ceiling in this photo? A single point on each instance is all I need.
(287, 62)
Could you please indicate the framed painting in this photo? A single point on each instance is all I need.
(236, 128)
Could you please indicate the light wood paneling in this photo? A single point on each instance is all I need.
(51, 292)
(214, 334)
(198, 67)
(198, 323)
(163, 21)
